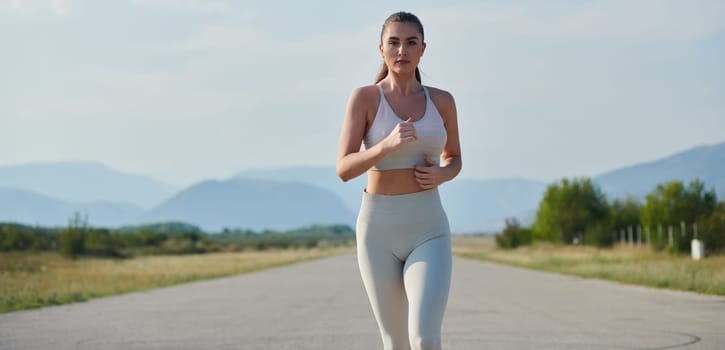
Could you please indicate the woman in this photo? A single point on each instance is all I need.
(410, 133)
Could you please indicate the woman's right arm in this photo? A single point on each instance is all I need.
(351, 161)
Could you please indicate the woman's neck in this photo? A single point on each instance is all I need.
(402, 84)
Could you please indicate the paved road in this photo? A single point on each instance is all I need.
(321, 305)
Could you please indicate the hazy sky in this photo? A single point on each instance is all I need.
(196, 89)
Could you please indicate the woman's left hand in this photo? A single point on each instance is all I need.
(429, 176)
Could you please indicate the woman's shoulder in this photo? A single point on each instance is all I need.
(439, 93)
(366, 91)
(442, 98)
(365, 95)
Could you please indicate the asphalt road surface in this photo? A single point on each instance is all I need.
(321, 305)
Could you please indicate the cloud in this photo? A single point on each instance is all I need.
(529, 78)
(294, 68)
(196, 6)
(547, 74)
(555, 52)
(643, 20)
(54, 7)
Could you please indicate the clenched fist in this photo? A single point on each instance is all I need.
(404, 132)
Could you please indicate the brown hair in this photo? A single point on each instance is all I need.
(404, 17)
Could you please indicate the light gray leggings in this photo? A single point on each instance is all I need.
(404, 254)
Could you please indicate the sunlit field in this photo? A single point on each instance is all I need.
(29, 280)
(624, 264)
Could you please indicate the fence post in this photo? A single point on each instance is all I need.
(682, 229)
(639, 236)
(697, 247)
(649, 240)
(629, 235)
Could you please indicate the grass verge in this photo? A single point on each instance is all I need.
(31, 280)
(630, 265)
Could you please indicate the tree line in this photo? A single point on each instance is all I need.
(576, 211)
(78, 239)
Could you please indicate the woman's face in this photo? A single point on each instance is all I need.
(402, 47)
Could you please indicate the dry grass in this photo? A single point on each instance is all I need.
(624, 264)
(29, 280)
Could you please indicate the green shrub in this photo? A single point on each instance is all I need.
(513, 235)
(72, 239)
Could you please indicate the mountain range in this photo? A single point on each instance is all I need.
(706, 163)
(251, 204)
(82, 182)
(49, 193)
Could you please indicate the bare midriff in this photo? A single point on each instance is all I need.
(392, 182)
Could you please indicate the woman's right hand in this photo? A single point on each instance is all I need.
(403, 133)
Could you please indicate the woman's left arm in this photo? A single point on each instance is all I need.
(433, 175)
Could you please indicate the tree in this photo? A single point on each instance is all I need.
(712, 229)
(73, 238)
(513, 235)
(570, 210)
(672, 204)
(624, 214)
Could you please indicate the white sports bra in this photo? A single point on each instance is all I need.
(430, 129)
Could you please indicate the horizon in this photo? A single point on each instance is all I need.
(273, 168)
(201, 90)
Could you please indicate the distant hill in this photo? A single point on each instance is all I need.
(483, 205)
(162, 227)
(289, 198)
(475, 206)
(471, 205)
(85, 182)
(704, 162)
(351, 191)
(23, 206)
(251, 204)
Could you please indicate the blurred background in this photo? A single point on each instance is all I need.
(226, 114)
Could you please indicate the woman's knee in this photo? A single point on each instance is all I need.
(425, 343)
